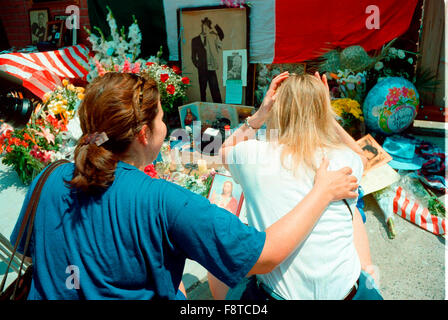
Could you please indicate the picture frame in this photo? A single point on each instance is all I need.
(54, 32)
(219, 193)
(68, 34)
(38, 24)
(227, 29)
(376, 155)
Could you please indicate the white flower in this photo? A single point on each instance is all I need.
(379, 65)
(411, 61)
(401, 54)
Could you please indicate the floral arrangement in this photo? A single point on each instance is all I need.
(164, 168)
(348, 112)
(114, 50)
(236, 3)
(395, 63)
(63, 101)
(351, 85)
(45, 138)
(172, 86)
(120, 53)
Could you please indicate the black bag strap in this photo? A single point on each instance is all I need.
(28, 221)
(350, 209)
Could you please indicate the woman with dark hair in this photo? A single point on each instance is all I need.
(105, 230)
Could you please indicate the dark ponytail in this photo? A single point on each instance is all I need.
(113, 104)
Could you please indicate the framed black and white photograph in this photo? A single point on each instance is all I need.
(235, 66)
(205, 33)
(38, 24)
(55, 32)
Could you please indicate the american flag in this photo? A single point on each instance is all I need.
(41, 72)
(411, 210)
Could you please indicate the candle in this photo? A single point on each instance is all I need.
(202, 166)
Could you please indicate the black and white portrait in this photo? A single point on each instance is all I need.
(205, 34)
(206, 51)
(235, 64)
(38, 23)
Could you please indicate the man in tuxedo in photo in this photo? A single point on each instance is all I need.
(206, 50)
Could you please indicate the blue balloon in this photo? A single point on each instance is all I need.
(391, 106)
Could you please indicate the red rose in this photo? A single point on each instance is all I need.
(185, 80)
(164, 77)
(150, 170)
(149, 63)
(170, 89)
(177, 70)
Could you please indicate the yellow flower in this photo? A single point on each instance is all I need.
(59, 96)
(71, 87)
(65, 101)
(47, 96)
(79, 89)
(65, 82)
(80, 96)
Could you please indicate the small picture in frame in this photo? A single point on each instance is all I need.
(376, 156)
(226, 193)
(38, 24)
(188, 115)
(54, 32)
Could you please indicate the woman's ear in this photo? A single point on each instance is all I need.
(143, 135)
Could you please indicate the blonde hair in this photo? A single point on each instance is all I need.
(301, 120)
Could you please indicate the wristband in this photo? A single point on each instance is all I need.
(246, 122)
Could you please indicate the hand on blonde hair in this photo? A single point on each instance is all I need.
(270, 96)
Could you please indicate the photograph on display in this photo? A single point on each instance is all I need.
(205, 33)
(188, 114)
(38, 24)
(235, 66)
(54, 32)
(376, 156)
(226, 193)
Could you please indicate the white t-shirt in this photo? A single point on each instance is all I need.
(326, 265)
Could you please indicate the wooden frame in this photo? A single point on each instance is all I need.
(38, 24)
(228, 29)
(55, 32)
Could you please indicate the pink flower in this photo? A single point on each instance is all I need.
(405, 91)
(126, 66)
(149, 63)
(117, 68)
(136, 67)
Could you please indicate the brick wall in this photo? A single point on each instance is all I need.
(15, 17)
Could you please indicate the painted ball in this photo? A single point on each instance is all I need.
(391, 106)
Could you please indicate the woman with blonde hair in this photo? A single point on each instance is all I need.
(274, 174)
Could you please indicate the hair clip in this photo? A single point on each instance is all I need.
(97, 138)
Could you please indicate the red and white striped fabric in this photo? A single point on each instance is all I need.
(41, 72)
(416, 213)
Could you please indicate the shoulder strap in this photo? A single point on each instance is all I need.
(28, 219)
(349, 209)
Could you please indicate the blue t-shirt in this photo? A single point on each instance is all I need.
(130, 242)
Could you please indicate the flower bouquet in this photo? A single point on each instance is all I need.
(172, 86)
(43, 139)
(120, 53)
(349, 115)
(351, 85)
